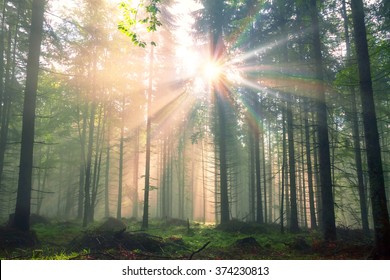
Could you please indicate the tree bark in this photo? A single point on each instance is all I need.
(313, 219)
(374, 158)
(355, 132)
(88, 168)
(135, 173)
(145, 217)
(121, 152)
(23, 199)
(107, 171)
(328, 215)
(259, 198)
(284, 168)
(291, 160)
(219, 92)
(222, 153)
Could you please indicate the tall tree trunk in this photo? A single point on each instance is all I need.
(121, 152)
(164, 184)
(264, 167)
(88, 168)
(7, 74)
(7, 78)
(355, 131)
(259, 200)
(97, 164)
(2, 51)
(203, 180)
(82, 168)
(23, 199)
(303, 170)
(252, 177)
(135, 173)
(284, 168)
(170, 178)
(181, 174)
(328, 215)
(219, 93)
(107, 171)
(313, 219)
(374, 159)
(294, 227)
(270, 186)
(145, 217)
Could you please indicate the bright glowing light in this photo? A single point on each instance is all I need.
(212, 71)
(234, 76)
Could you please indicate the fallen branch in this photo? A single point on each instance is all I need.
(201, 249)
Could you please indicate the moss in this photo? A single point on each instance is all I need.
(114, 239)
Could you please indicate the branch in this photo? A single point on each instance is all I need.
(201, 249)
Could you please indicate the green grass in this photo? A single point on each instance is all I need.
(180, 242)
(58, 233)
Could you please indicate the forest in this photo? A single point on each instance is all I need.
(194, 129)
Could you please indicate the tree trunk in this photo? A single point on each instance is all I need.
(219, 93)
(252, 177)
(107, 173)
(135, 173)
(203, 180)
(82, 168)
(328, 215)
(313, 219)
(121, 152)
(270, 186)
(88, 168)
(374, 159)
(2, 87)
(291, 159)
(145, 217)
(303, 170)
(264, 167)
(181, 174)
(222, 154)
(164, 180)
(356, 133)
(284, 167)
(23, 200)
(97, 164)
(259, 201)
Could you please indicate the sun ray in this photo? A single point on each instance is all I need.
(255, 53)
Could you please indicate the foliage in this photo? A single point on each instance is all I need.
(129, 25)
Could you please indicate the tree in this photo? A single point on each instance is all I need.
(121, 155)
(355, 130)
(328, 215)
(373, 150)
(23, 201)
(7, 76)
(220, 92)
(282, 8)
(145, 217)
(313, 219)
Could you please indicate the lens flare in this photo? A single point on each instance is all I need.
(212, 71)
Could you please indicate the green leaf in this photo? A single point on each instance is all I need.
(150, 21)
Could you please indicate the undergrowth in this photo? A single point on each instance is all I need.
(177, 239)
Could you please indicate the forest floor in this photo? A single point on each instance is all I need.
(176, 239)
